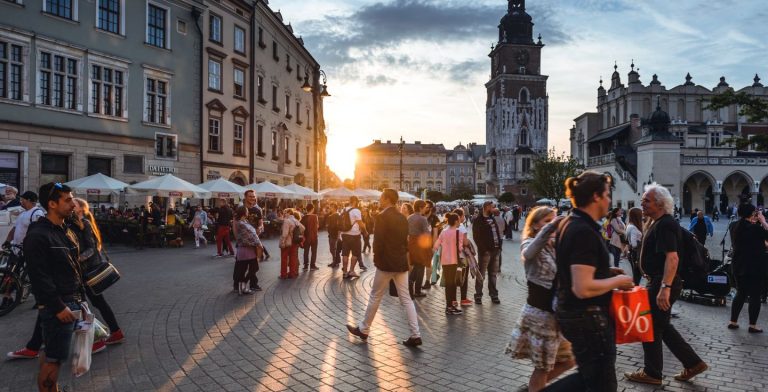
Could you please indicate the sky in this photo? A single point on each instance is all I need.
(417, 68)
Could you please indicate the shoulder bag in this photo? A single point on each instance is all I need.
(460, 263)
(102, 276)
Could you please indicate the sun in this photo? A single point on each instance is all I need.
(341, 156)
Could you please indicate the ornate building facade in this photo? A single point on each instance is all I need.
(423, 166)
(517, 105)
(686, 154)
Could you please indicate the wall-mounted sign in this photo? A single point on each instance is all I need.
(213, 175)
(174, 194)
(159, 170)
(223, 195)
(93, 191)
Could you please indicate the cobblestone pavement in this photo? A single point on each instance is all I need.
(187, 331)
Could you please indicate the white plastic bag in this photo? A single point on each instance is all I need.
(100, 330)
(83, 345)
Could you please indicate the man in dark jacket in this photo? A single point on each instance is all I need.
(390, 247)
(51, 252)
(334, 238)
(311, 227)
(487, 236)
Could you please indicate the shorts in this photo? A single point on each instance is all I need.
(57, 336)
(351, 243)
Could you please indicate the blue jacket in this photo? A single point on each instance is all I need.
(707, 221)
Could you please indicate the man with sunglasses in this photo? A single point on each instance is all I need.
(51, 250)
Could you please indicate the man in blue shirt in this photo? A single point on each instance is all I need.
(701, 226)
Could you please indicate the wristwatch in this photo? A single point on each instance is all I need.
(665, 286)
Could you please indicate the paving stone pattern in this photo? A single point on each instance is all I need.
(187, 331)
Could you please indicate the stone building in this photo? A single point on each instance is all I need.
(465, 167)
(423, 166)
(517, 106)
(478, 155)
(648, 133)
(99, 86)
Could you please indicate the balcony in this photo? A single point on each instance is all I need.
(600, 160)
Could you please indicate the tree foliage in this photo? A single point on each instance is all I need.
(435, 196)
(462, 191)
(755, 109)
(506, 197)
(549, 173)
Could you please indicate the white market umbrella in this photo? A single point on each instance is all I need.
(223, 189)
(97, 184)
(405, 196)
(169, 186)
(337, 193)
(367, 194)
(270, 190)
(303, 192)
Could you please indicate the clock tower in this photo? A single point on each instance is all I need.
(517, 104)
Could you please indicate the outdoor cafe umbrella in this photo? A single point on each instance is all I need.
(367, 194)
(303, 193)
(405, 196)
(97, 184)
(270, 190)
(223, 189)
(169, 186)
(337, 193)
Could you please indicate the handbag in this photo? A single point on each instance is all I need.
(459, 278)
(103, 276)
(631, 311)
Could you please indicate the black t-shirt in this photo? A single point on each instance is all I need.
(224, 216)
(581, 243)
(662, 237)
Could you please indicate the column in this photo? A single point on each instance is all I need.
(754, 198)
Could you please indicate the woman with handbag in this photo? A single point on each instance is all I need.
(634, 239)
(247, 255)
(618, 234)
(290, 240)
(91, 258)
(536, 334)
(450, 240)
(466, 249)
(199, 226)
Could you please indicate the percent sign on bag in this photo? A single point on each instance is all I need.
(632, 314)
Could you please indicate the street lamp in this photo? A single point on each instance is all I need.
(308, 87)
(317, 97)
(400, 148)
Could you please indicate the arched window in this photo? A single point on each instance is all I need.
(681, 109)
(524, 137)
(523, 95)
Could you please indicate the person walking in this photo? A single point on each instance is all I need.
(536, 334)
(434, 222)
(369, 227)
(585, 280)
(419, 247)
(468, 251)
(701, 226)
(199, 224)
(350, 237)
(51, 252)
(748, 237)
(451, 242)
(635, 238)
(487, 237)
(334, 235)
(618, 230)
(223, 229)
(311, 228)
(32, 212)
(246, 260)
(390, 244)
(289, 244)
(659, 260)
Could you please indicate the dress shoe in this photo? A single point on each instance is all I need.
(356, 331)
(688, 374)
(412, 342)
(641, 377)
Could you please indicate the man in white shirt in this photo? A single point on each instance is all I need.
(350, 239)
(32, 212)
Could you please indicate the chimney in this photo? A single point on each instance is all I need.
(377, 141)
(389, 142)
(417, 142)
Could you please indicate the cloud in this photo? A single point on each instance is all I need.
(379, 80)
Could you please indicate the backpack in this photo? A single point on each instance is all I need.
(296, 235)
(694, 259)
(346, 220)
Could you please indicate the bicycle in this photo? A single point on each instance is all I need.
(14, 281)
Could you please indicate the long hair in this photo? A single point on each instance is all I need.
(534, 216)
(88, 216)
(636, 217)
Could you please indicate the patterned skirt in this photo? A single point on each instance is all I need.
(537, 336)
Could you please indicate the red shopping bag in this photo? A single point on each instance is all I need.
(631, 312)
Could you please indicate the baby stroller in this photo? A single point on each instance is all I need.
(715, 288)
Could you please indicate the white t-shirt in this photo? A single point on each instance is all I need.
(23, 221)
(354, 215)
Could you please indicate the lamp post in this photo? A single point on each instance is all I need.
(318, 93)
(400, 148)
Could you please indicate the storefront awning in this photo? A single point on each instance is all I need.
(610, 133)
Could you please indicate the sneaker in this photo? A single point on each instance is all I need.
(217, 256)
(353, 274)
(457, 310)
(466, 302)
(478, 301)
(454, 304)
(98, 347)
(688, 374)
(115, 337)
(24, 353)
(356, 331)
(256, 288)
(412, 342)
(641, 377)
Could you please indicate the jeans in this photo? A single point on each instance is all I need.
(754, 293)
(449, 274)
(57, 336)
(222, 238)
(380, 287)
(465, 283)
(665, 332)
(415, 278)
(616, 252)
(310, 246)
(592, 336)
(490, 266)
(634, 261)
(335, 245)
(245, 271)
(366, 242)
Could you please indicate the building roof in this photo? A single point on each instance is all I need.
(610, 133)
(524, 151)
(390, 147)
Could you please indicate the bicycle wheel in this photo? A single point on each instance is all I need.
(11, 291)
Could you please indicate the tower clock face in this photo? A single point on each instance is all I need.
(522, 56)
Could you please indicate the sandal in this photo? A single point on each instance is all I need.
(733, 326)
(755, 330)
